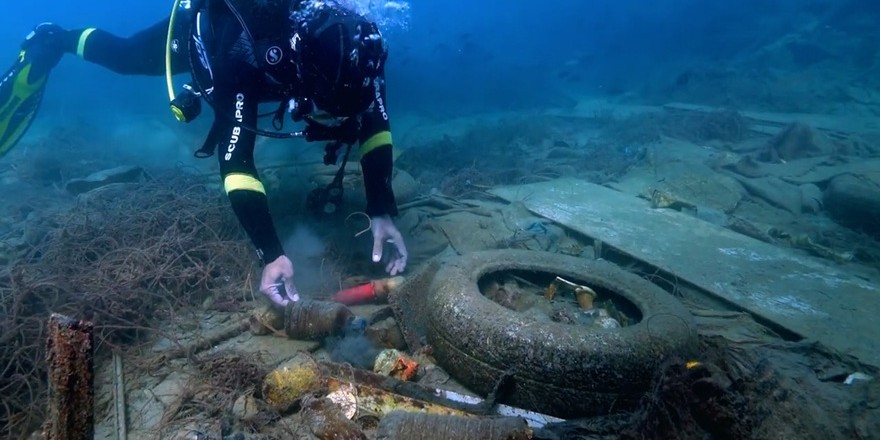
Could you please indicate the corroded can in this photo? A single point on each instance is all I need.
(313, 319)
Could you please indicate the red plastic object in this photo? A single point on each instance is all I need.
(356, 295)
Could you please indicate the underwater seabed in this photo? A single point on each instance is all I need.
(155, 258)
(692, 255)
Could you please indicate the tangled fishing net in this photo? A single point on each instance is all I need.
(127, 257)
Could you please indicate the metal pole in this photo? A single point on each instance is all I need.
(119, 397)
(69, 355)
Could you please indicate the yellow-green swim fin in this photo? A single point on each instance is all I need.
(21, 91)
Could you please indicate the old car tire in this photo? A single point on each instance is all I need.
(558, 369)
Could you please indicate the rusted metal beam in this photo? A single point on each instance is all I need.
(69, 355)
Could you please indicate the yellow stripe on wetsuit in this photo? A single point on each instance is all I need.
(375, 141)
(244, 182)
(81, 45)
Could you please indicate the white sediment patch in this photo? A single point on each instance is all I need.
(831, 279)
(791, 305)
(761, 301)
(745, 253)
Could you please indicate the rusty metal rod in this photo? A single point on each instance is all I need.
(69, 355)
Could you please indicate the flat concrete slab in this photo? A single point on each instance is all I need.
(808, 296)
(828, 123)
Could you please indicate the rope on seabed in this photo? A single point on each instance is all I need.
(691, 330)
(369, 222)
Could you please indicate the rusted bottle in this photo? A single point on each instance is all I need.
(312, 319)
(326, 420)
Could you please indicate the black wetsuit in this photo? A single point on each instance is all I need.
(240, 83)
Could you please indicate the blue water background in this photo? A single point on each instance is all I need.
(457, 56)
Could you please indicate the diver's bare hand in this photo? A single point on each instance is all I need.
(277, 281)
(384, 230)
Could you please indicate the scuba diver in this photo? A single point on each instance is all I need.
(322, 64)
